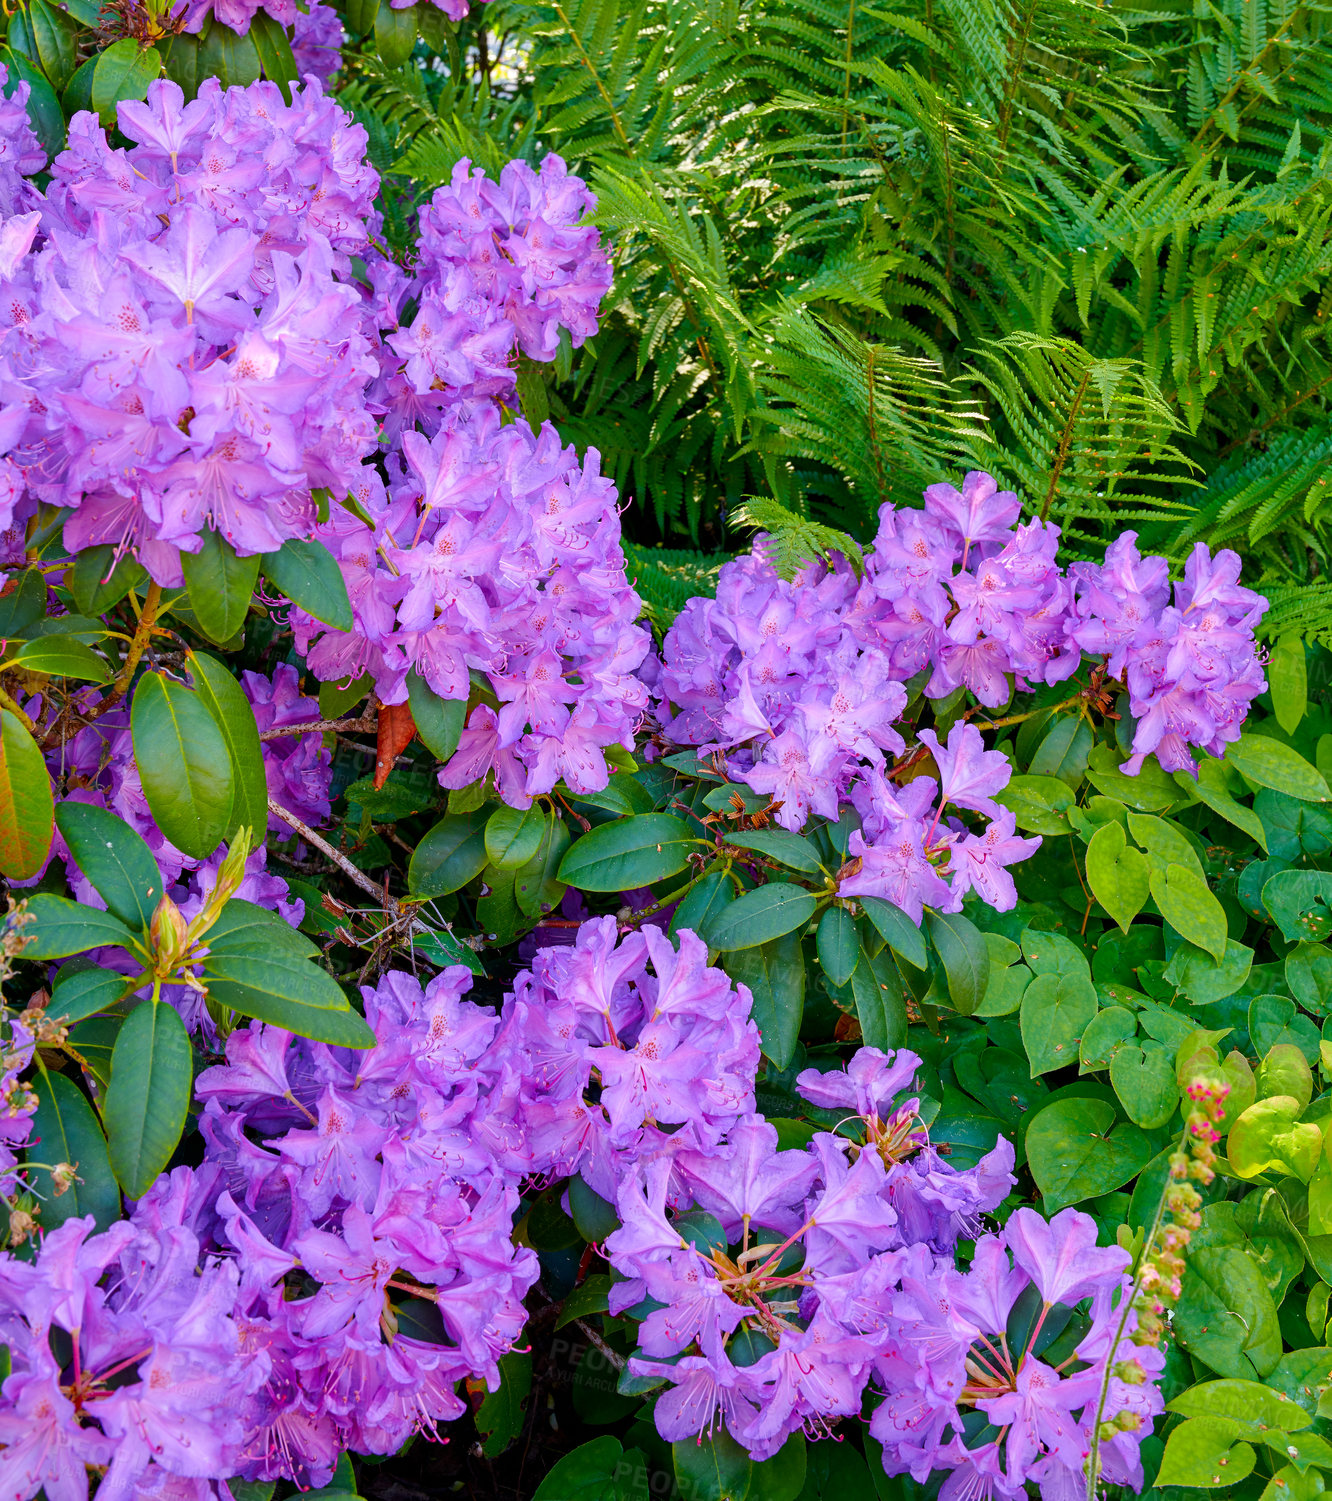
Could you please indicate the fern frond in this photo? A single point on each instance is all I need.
(793, 542)
(1075, 434)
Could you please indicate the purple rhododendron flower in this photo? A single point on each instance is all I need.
(496, 551)
(796, 684)
(1191, 666)
(607, 1051)
(184, 343)
(494, 548)
(784, 1314)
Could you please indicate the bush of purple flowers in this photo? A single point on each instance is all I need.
(409, 955)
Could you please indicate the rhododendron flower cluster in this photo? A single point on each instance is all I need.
(317, 40)
(126, 1356)
(962, 588)
(298, 768)
(909, 853)
(610, 1063)
(792, 685)
(339, 1261)
(772, 1276)
(781, 1285)
(365, 1173)
(995, 1411)
(181, 350)
(798, 684)
(343, 1255)
(494, 549)
(496, 552)
(501, 266)
(1190, 665)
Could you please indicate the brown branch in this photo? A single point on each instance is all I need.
(152, 603)
(359, 877)
(613, 1356)
(364, 725)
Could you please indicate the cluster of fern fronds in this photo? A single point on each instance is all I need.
(1082, 245)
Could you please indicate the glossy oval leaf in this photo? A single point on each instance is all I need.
(98, 581)
(275, 55)
(588, 1473)
(309, 575)
(123, 71)
(80, 993)
(896, 929)
(1063, 753)
(182, 62)
(288, 992)
(775, 975)
(62, 657)
(115, 859)
(838, 944)
(759, 916)
(439, 721)
(59, 927)
(232, 712)
(243, 928)
(55, 36)
(232, 59)
(395, 33)
(65, 1129)
(628, 853)
(450, 855)
(876, 989)
(702, 902)
(966, 959)
(148, 1098)
(184, 764)
(790, 850)
(536, 886)
(24, 605)
(220, 585)
(27, 806)
(513, 836)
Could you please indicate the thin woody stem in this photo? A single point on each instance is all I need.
(999, 724)
(365, 724)
(338, 858)
(613, 1356)
(152, 603)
